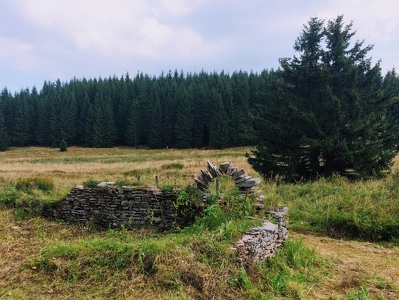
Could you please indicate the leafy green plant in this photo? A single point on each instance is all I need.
(188, 203)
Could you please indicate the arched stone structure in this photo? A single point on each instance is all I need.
(244, 183)
(258, 243)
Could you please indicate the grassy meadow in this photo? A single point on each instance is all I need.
(343, 243)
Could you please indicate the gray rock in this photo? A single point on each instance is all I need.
(103, 184)
(239, 173)
(248, 183)
(242, 178)
(224, 166)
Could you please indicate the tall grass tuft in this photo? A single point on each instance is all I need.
(365, 209)
(32, 183)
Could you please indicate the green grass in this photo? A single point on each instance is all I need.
(196, 257)
(366, 209)
(195, 262)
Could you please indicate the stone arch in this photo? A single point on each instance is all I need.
(244, 183)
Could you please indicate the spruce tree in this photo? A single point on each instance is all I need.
(328, 111)
(183, 124)
(3, 133)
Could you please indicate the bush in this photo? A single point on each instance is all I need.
(63, 146)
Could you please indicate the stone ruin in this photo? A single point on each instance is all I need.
(108, 206)
(259, 243)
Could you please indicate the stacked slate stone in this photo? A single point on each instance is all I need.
(107, 206)
(260, 243)
(244, 183)
(282, 224)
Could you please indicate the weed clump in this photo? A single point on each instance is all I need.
(30, 184)
(178, 166)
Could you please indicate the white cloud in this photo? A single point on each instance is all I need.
(17, 53)
(119, 27)
(69, 38)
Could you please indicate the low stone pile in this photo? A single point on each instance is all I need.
(260, 243)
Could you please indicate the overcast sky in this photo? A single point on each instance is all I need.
(61, 39)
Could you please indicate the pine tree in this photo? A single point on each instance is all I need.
(3, 133)
(155, 134)
(21, 135)
(219, 130)
(329, 115)
(183, 125)
(100, 128)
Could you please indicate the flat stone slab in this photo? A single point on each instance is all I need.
(248, 183)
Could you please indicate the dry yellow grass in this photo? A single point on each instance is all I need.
(77, 165)
(354, 264)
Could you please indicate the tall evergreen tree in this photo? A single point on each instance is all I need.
(330, 113)
(183, 125)
(155, 133)
(100, 127)
(132, 134)
(21, 135)
(4, 138)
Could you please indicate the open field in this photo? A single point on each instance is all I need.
(41, 259)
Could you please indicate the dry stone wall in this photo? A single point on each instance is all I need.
(111, 207)
(108, 206)
(260, 243)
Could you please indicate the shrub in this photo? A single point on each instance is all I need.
(63, 146)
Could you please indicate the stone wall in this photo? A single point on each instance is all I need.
(112, 207)
(260, 243)
(108, 206)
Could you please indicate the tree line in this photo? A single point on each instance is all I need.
(327, 111)
(174, 110)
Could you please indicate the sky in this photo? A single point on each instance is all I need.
(46, 40)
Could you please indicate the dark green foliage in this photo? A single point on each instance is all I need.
(211, 110)
(63, 146)
(189, 203)
(327, 111)
(4, 139)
